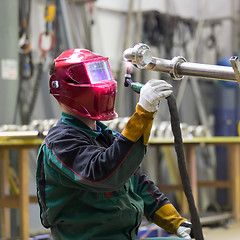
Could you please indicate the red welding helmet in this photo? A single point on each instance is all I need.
(83, 81)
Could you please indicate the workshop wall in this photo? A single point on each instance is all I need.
(108, 30)
(9, 60)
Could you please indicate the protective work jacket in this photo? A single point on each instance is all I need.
(90, 185)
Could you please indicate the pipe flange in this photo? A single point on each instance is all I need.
(173, 67)
(143, 56)
(140, 55)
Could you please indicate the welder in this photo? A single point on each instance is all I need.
(89, 181)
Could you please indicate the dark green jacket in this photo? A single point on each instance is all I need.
(90, 185)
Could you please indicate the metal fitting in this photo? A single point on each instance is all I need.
(140, 55)
(173, 67)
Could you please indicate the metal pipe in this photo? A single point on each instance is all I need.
(207, 71)
(140, 56)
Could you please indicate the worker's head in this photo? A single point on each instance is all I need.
(83, 81)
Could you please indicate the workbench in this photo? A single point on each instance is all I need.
(30, 140)
(190, 145)
(22, 143)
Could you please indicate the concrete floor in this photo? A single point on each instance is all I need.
(230, 232)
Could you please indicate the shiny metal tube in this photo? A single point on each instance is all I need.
(179, 67)
(207, 71)
(159, 64)
(194, 69)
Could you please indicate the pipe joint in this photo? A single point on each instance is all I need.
(140, 55)
(173, 68)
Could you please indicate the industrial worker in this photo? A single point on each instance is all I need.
(89, 181)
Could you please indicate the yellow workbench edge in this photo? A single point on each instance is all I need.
(31, 139)
(12, 142)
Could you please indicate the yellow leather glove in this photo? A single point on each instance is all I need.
(141, 121)
(139, 124)
(168, 218)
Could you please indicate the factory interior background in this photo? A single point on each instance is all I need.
(34, 32)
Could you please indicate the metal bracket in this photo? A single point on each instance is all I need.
(236, 67)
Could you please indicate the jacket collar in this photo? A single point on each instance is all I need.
(76, 123)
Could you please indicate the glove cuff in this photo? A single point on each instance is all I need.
(168, 218)
(140, 124)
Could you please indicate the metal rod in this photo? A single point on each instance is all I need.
(141, 57)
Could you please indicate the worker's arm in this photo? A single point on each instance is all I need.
(140, 123)
(157, 207)
(91, 165)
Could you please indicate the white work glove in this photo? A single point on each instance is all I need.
(184, 230)
(152, 92)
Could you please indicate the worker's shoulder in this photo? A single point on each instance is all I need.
(63, 131)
